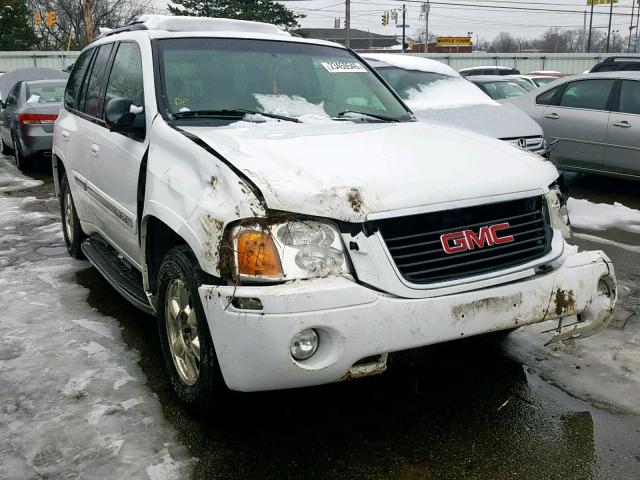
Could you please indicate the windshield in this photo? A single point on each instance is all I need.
(540, 81)
(428, 90)
(296, 80)
(45, 92)
(500, 90)
(403, 81)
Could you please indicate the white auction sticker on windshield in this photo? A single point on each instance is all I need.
(344, 67)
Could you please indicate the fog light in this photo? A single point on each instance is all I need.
(304, 344)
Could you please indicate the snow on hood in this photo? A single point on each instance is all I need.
(411, 62)
(347, 171)
(447, 93)
(497, 121)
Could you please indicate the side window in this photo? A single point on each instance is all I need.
(90, 100)
(546, 97)
(588, 94)
(12, 98)
(125, 80)
(630, 97)
(75, 80)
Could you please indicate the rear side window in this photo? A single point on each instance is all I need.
(547, 97)
(90, 101)
(587, 94)
(12, 98)
(630, 97)
(75, 80)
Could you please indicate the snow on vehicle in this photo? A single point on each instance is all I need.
(277, 207)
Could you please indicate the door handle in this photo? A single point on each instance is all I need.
(65, 136)
(622, 124)
(552, 116)
(95, 150)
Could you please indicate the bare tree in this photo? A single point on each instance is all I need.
(504, 43)
(79, 21)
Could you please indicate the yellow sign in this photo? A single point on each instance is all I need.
(453, 41)
(601, 2)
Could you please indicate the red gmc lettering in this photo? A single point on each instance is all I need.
(468, 240)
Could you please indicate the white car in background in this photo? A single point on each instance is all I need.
(436, 92)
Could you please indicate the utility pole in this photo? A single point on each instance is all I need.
(590, 29)
(584, 31)
(610, 19)
(404, 26)
(427, 7)
(635, 48)
(347, 23)
(631, 25)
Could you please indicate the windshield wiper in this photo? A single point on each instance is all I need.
(384, 118)
(237, 112)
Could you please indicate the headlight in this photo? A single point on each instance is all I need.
(558, 213)
(296, 249)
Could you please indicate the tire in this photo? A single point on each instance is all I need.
(4, 148)
(22, 162)
(71, 229)
(198, 383)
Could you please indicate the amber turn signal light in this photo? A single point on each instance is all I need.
(257, 255)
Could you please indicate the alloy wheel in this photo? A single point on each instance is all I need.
(182, 332)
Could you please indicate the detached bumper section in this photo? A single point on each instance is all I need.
(252, 326)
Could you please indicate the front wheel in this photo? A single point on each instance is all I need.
(71, 229)
(4, 148)
(186, 343)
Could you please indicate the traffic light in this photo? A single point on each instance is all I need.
(37, 18)
(51, 19)
(385, 18)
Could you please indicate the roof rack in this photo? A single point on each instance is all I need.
(178, 23)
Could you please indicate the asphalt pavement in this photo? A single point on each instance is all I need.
(464, 410)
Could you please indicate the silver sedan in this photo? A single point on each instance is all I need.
(596, 119)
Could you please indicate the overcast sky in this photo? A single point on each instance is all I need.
(457, 17)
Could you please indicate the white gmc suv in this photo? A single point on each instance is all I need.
(277, 207)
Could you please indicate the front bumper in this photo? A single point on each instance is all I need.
(355, 322)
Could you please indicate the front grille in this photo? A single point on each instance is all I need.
(533, 144)
(415, 246)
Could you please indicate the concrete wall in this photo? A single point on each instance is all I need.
(57, 60)
(571, 63)
(564, 62)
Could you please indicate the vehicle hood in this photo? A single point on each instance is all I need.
(497, 121)
(348, 171)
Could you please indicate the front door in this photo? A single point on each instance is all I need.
(580, 122)
(622, 154)
(118, 156)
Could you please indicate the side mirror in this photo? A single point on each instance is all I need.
(2, 104)
(118, 115)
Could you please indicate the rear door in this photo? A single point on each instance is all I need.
(579, 122)
(116, 164)
(7, 114)
(622, 154)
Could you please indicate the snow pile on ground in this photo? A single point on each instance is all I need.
(412, 62)
(602, 216)
(73, 401)
(447, 93)
(603, 369)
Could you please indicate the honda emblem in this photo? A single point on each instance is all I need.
(522, 142)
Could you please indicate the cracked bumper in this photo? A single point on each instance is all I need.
(355, 322)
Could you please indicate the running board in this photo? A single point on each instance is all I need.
(117, 271)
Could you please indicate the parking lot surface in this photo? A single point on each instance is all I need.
(479, 408)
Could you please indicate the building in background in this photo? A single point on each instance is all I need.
(359, 38)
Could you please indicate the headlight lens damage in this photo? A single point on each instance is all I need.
(559, 215)
(296, 249)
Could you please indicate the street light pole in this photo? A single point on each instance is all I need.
(631, 25)
(404, 26)
(590, 29)
(610, 19)
(347, 23)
